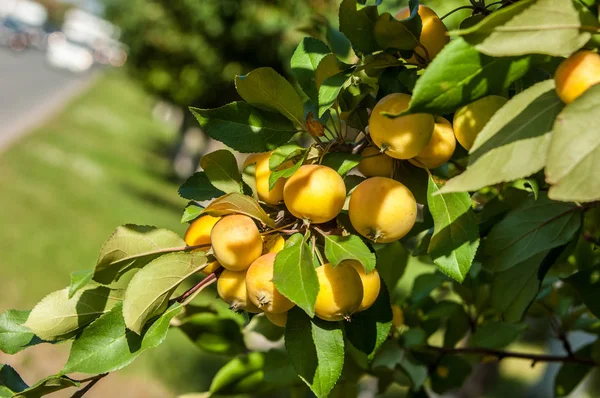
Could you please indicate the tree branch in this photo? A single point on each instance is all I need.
(509, 354)
(197, 288)
(92, 383)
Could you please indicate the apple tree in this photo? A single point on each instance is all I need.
(475, 150)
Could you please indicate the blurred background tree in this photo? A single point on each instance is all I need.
(188, 52)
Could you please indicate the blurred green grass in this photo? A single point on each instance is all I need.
(67, 185)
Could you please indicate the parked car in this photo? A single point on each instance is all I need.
(63, 53)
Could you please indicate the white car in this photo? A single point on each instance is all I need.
(65, 54)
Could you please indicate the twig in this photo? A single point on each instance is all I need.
(92, 383)
(500, 354)
(283, 227)
(190, 294)
(566, 345)
(457, 9)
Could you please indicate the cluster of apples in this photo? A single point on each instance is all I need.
(381, 209)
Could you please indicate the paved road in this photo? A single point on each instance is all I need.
(30, 91)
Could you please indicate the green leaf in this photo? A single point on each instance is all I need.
(586, 284)
(330, 90)
(254, 373)
(339, 248)
(527, 185)
(79, 279)
(237, 203)
(316, 350)
(284, 153)
(294, 274)
(191, 212)
(369, 329)
(459, 75)
(342, 162)
(10, 382)
(286, 173)
(132, 246)
(358, 25)
(213, 333)
(198, 187)
(15, 337)
(456, 236)
(515, 289)
(107, 345)
(222, 170)
(148, 293)
(304, 63)
(571, 374)
(392, 259)
(243, 374)
(401, 35)
(57, 316)
(533, 227)
(47, 386)
(575, 149)
(514, 143)
(550, 27)
(267, 89)
(245, 128)
(494, 334)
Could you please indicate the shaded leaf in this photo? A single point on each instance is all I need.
(245, 128)
(515, 289)
(392, 259)
(358, 25)
(369, 329)
(450, 374)
(14, 336)
(455, 237)
(574, 155)
(494, 334)
(10, 381)
(132, 246)
(459, 75)
(267, 89)
(237, 203)
(350, 247)
(587, 284)
(198, 187)
(514, 143)
(401, 35)
(222, 171)
(533, 227)
(107, 345)
(316, 350)
(284, 153)
(529, 27)
(57, 316)
(571, 374)
(149, 290)
(294, 274)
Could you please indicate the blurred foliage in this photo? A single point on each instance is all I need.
(189, 51)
